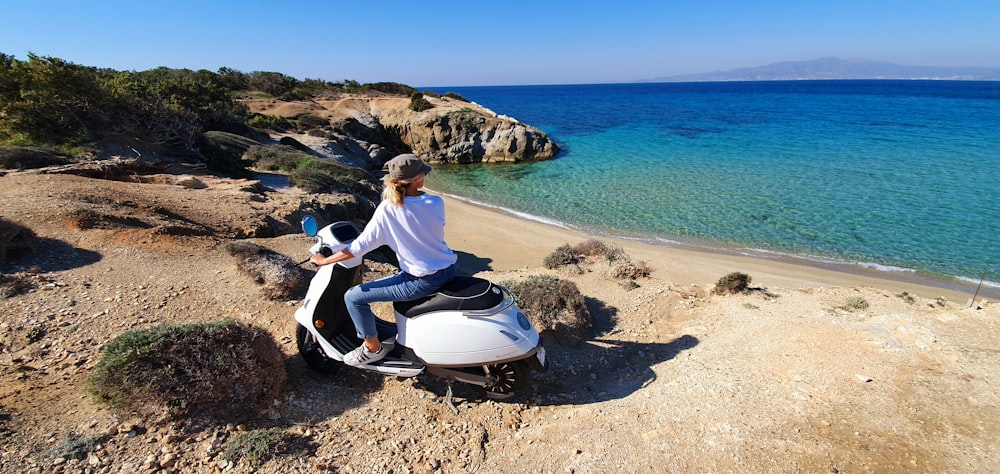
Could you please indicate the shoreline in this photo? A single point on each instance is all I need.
(503, 240)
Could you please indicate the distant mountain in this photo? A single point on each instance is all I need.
(836, 68)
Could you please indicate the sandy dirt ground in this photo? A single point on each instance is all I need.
(793, 377)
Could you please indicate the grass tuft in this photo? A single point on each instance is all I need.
(258, 446)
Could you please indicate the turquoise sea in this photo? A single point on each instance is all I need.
(898, 177)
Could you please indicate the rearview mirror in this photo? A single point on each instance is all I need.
(309, 226)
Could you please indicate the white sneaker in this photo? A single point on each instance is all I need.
(362, 356)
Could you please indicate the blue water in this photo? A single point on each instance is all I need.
(900, 176)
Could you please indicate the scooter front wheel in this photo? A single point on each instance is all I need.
(505, 380)
(313, 353)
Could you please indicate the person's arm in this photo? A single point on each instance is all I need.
(320, 260)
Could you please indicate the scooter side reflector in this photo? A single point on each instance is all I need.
(319, 324)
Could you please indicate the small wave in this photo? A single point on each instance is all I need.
(522, 215)
(884, 268)
(826, 260)
(975, 281)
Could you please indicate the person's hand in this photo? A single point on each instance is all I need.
(317, 259)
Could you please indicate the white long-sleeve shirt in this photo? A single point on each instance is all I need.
(415, 231)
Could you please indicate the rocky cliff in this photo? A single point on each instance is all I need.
(367, 130)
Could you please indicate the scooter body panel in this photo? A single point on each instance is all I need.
(453, 339)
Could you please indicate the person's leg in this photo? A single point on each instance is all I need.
(399, 287)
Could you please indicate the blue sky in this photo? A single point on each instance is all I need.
(456, 43)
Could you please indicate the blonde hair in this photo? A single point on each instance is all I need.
(394, 189)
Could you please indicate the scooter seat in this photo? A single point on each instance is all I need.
(463, 293)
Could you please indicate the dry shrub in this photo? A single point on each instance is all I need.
(563, 256)
(855, 303)
(732, 284)
(221, 368)
(628, 270)
(592, 248)
(554, 305)
(15, 240)
(620, 266)
(281, 277)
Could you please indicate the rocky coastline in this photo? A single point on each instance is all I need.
(367, 130)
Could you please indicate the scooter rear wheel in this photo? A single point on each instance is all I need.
(313, 353)
(505, 380)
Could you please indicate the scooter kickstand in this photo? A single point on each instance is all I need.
(447, 397)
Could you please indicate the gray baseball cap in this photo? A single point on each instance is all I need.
(406, 167)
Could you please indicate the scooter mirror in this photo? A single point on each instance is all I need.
(309, 226)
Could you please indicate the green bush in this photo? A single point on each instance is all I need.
(389, 88)
(219, 368)
(53, 102)
(316, 175)
(275, 158)
(456, 96)
(554, 305)
(732, 283)
(419, 104)
(270, 122)
(310, 121)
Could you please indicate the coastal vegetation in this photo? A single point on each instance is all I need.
(280, 277)
(732, 283)
(556, 306)
(51, 109)
(256, 447)
(855, 303)
(618, 265)
(418, 103)
(209, 368)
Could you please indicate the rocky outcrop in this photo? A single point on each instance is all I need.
(368, 130)
(473, 135)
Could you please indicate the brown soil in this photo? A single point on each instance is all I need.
(674, 380)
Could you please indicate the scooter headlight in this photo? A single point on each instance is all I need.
(522, 321)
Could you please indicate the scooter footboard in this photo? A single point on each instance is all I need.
(458, 375)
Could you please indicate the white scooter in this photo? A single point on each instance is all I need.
(470, 331)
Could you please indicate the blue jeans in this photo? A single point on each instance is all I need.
(399, 287)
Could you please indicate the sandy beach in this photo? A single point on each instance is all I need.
(514, 243)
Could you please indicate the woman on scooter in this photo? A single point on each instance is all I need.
(411, 223)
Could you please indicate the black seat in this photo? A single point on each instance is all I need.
(463, 293)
